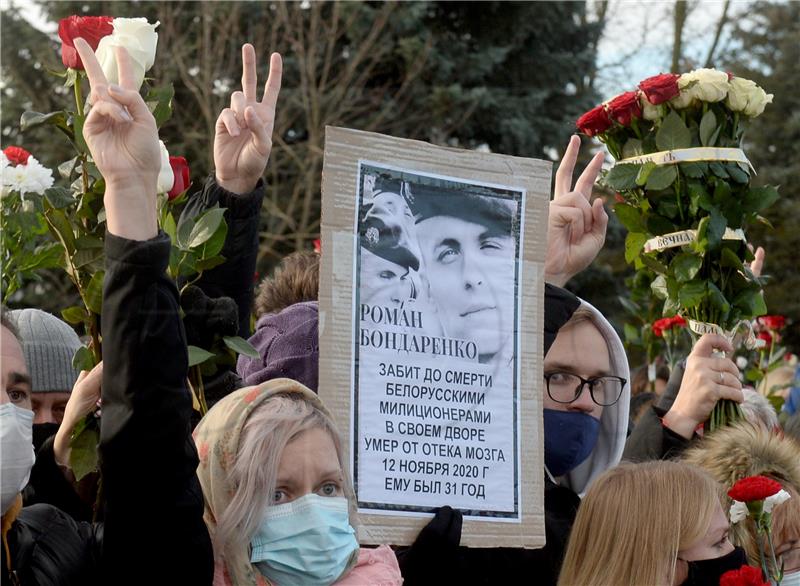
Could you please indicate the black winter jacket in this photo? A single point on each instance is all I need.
(154, 531)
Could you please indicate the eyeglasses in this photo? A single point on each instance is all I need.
(565, 388)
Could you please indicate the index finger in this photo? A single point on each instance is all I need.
(273, 86)
(93, 70)
(706, 345)
(249, 75)
(566, 166)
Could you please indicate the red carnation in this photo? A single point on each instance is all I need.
(766, 337)
(667, 323)
(744, 576)
(318, 246)
(772, 322)
(625, 107)
(180, 170)
(660, 88)
(90, 28)
(16, 155)
(754, 488)
(595, 121)
(678, 321)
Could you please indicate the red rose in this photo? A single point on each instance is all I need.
(744, 576)
(625, 107)
(660, 88)
(678, 321)
(772, 322)
(90, 28)
(754, 488)
(16, 155)
(595, 121)
(180, 170)
(318, 246)
(766, 337)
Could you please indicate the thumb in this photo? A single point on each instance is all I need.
(600, 217)
(709, 342)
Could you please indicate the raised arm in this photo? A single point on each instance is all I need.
(153, 525)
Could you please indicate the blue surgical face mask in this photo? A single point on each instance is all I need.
(307, 542)
(569, 438)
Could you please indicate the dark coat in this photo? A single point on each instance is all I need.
(154, 531)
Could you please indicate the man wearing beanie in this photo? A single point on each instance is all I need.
(48, 345)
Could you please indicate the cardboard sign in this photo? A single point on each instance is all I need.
(431, 305)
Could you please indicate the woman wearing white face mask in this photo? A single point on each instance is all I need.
(278, 499)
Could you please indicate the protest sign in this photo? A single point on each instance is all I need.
(431, 300)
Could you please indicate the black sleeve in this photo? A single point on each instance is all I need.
(48, 485)
(233, 278)
(154, 530)
(650, 439)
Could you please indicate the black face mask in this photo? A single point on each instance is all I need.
(708, 572)
(42, 431)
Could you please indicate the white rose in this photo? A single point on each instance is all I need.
(649, 111)
(747, 97)
(738, 511)
(139, 37)
(775, 499)
(165, 175)
(757, 102)
(686, 97)
(38, 178)
(711, 86)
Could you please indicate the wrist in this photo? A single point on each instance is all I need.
(682, 424)
(557, 279)
(131, 209)
(237, 185)
(61, 447)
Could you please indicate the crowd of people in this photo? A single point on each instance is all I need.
(258, 491)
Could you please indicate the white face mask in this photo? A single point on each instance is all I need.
(16, 441)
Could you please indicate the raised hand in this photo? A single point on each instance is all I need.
(123, 139)
(243, 133)
(82, 401)
(708, 378)
(576, 229)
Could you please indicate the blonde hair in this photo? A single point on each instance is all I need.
(634, 520)
(266, 432)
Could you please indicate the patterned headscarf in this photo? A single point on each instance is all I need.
(217, 439)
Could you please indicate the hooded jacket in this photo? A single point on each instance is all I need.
(434, 559)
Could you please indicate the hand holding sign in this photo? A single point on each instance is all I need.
(242, 143)
(576, 229)
(123, 139)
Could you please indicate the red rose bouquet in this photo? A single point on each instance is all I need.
(685, 181)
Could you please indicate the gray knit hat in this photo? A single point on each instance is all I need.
(48, 345)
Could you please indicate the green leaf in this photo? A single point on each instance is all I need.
(651, 263)
(622, 177)
(730, 259)
(685, 266)
(60, 227)
(83, 453)
(93, 296)
(170, 228)
(30, 119)
(716, 228)
(699, 196)
(632, 334)
(673, 134)
(691, 294)
(632, 148)
(718, 170)
(693, 170)
(86, 257)
(59, 197)
(74, 315)
(213, 245)
(205, 227)
(630, 217)
(753, 375)
(751, 302)
(185, 226)
(759, 198)
(159, 100)
(659, 287)
(662, 177)
(634, 243)
(198, 355)
(707, 127)
(737, 174)
(210, 263)
(718, 299)
(83, 358)
(46, 256)
(240, 346)
(644, 172)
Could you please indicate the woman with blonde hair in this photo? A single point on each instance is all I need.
(651, 523)
(277, 496)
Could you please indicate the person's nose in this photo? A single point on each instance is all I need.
(43, 415)
(584, 401)
(473, 271)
